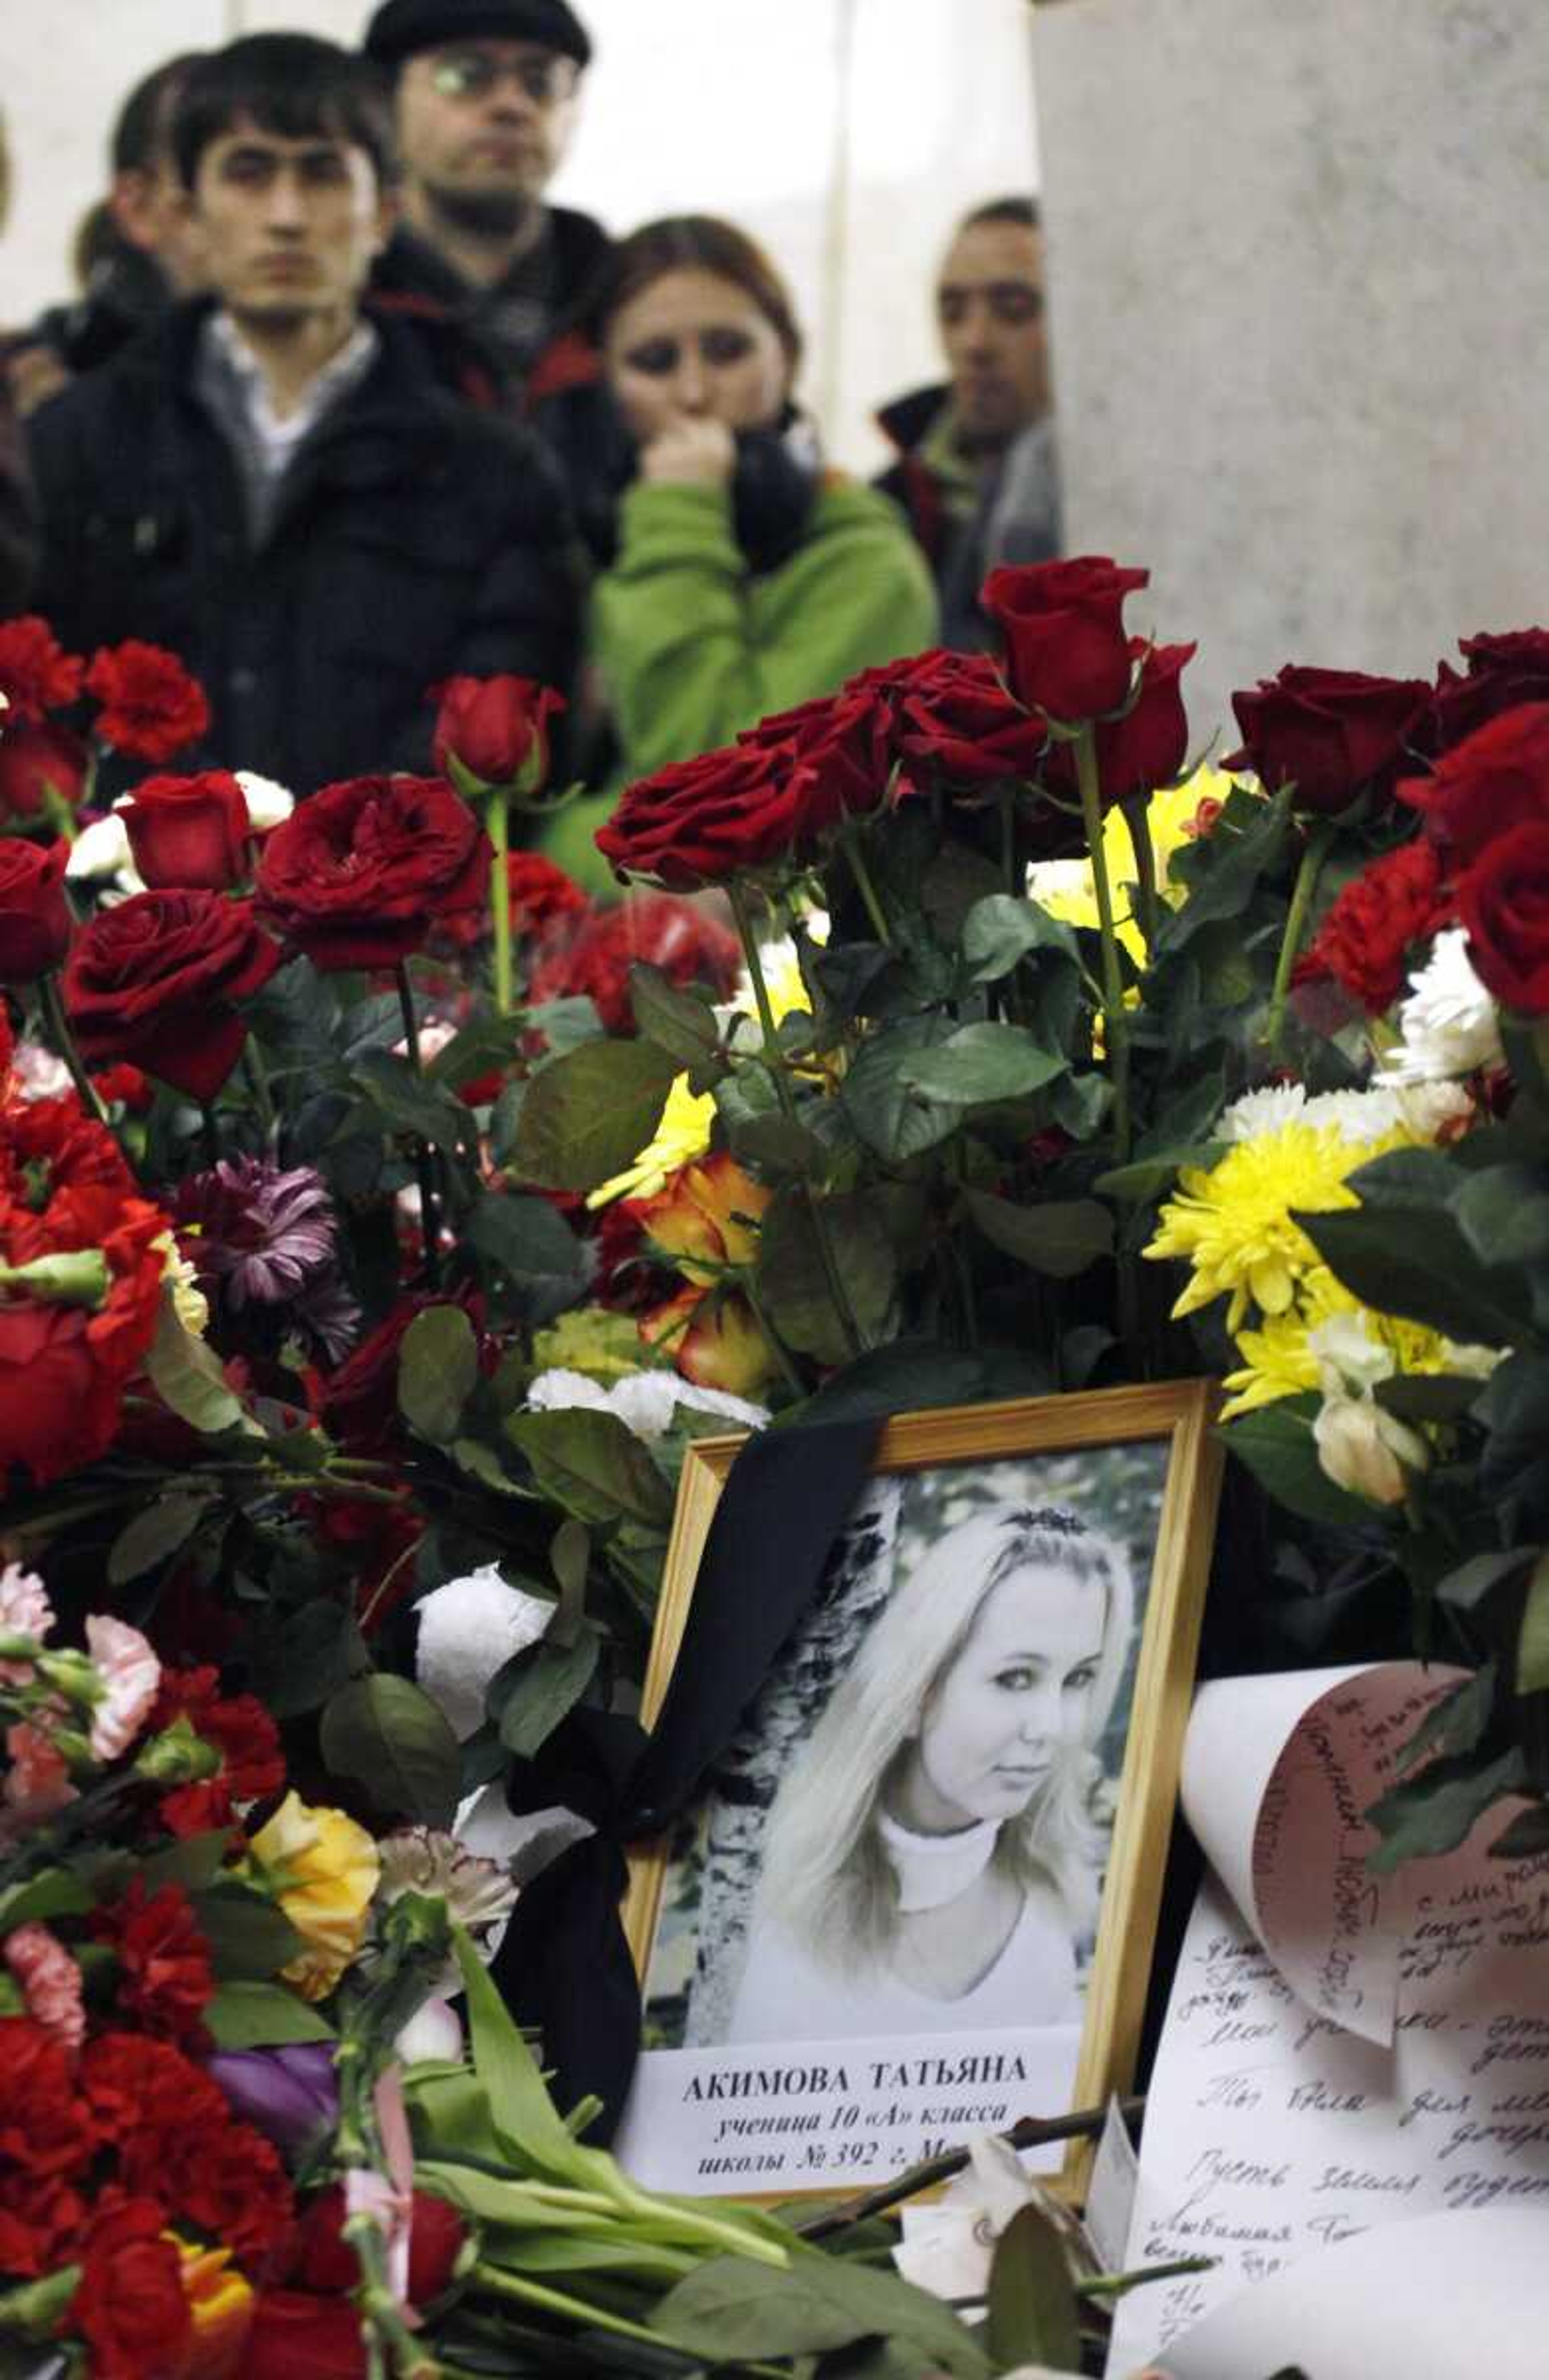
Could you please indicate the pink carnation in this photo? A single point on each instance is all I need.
(50, 1984)
(37, 1783)
(131, 1675)
(24, 1606)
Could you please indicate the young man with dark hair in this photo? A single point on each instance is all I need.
(977, 471)
(141, 247)
(272, 483)
(485, 94)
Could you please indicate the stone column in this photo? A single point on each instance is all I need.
(1299, 299)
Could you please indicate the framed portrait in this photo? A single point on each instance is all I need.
(917, 1896)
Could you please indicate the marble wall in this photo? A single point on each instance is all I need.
(1300, 285)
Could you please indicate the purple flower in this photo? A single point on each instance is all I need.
(261, 1235)
(289, 2094)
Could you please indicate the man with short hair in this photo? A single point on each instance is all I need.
(486, 93)
(977, 472)
(271, 483)
(142, 248)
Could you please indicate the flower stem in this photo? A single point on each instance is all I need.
(1116, 1024)
(1149, 904)
(424, 1164)
(264, 1099)
(498, 821)
(1006, 801)
(1315, 852)
(772, 1340)
(64, 1040)
(502, 2284)
(850, 838)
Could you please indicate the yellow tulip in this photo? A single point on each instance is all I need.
(328, 1870)
(219, 2307)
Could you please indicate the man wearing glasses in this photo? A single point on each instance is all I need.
(486, 92)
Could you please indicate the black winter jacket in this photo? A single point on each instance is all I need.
(413, 538)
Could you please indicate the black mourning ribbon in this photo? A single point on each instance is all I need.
(565, 1966)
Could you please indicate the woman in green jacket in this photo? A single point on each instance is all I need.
(743, 578)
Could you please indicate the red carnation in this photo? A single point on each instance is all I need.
(358, 876)
(36, 763)
(190, 833)
(252, 1761)
(1365, 938)
(232, 2183)
(151, 709)
(1067, 653)
(130, 2307)
(165, 1978)
(657, 928)
(58, 1408)
(156, 980)
(36, 673)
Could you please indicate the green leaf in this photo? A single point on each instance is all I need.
(1000, 931)
(410, 1103)
(1527, 1836)
(1417, 1266)
(1466, 1586)
(793, 1278)
(527, 1239)
(156, 1532)
(53, 1894)
(520, 2108)
(1276, 1445)
(1060, 1238)
(187, 1376)
(588, 1115)
(681, 1023)
(550, 1680)
(318, 1648)
(395, 1743)
(889, 1116)
(778, 1145)
(915, 1374)
(262, 2016)
(249, 1934)
(438, 1371)
(195, 1862)
(1032, 2313)
(1224, 869)
(505, 1118)
(1149, 1177)
(1532, 1644)
(488, 1044)
(1503, 1214)
(981, 1063)
(1455, 1724)
(591, 1464)
(953, 884)
(1440, 1808)
(733, 2308)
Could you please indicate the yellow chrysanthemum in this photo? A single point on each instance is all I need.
(1067, 889)
(1234, 1222)
(682, 1134)
(180, 1279)
(1278, 1359)
(329, 1868)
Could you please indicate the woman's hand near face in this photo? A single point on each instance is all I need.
(690, 451)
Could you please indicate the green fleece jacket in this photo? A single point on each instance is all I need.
(692, 648)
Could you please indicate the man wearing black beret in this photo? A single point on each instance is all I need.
(485, 94)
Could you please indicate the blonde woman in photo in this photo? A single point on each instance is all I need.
(933, 1858)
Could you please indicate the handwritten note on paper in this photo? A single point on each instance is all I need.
(1275, 2130)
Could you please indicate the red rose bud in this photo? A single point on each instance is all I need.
(1499, 778)
(1504, 902)
(1331, 734)
(34, 920)
(150, 707)
(1067, 653)
(155, 980)
(358, 876)
(37, 763)
(326, 2261)
(1148, 746)
(190, 833)
(497, 729)
(297, 2335)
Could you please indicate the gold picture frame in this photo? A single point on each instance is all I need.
(1176, 1413)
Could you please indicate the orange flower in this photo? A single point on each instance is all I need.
(706, 1219)
(219, 2309)
(715, 1341)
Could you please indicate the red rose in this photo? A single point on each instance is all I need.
(658, 927)
(1504, 902)
(700, 822)
(1499, 778)
(325, 2259)
(58, 1410)
(165, 1978)
(296, 2335)
(1066, 650)
(129, 2307)
(190, 833)
(1504, 670)
(498, 728)
(150, 707)
(358, 876)
(154, 981)
(36, 763)
(1147, 746)
(34, 918)
(845, 739)
(1332, 734)
(540, 896)
(1365, 937)
(36, 673)
(955, 713)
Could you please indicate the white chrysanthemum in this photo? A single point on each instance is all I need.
(645, 1401)
(1257, 1113)
(269, 805)
(1449, 1022)
(468, 1629)
(100, 855)
(1357, 1116)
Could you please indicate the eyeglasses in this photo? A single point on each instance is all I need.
(545, 75)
